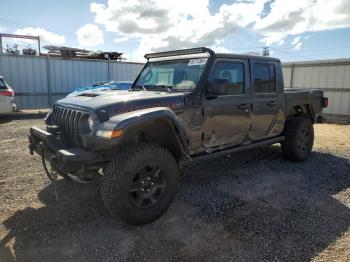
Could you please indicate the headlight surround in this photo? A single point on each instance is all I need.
(49, 113)
(47, 117)
(87, 123)
(91, 122)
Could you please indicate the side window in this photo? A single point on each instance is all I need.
(233, 76)
(264, 78)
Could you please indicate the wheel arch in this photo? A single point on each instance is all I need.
(305, 110)
(155, 125)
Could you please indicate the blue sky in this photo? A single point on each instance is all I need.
(294, 30)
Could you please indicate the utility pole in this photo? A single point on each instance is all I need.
(266, 51)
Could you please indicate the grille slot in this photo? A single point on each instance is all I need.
(68, 121)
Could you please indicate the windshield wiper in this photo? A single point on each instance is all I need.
(168, 88)
(141, 87)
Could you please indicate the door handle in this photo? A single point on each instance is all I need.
(271, 103)
(244, 106)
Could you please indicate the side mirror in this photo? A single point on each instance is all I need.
(216, 87)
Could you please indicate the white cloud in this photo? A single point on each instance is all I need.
(299, 16)
(2, 29)
(296, 43)
(221, 49)
(121, 39)
(296, 40)
(45, 36)
(297, 46)
(169, 24)
(90, 35)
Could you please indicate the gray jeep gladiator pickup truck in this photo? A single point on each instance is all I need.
(184, 104)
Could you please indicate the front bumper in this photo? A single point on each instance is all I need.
(65, 159)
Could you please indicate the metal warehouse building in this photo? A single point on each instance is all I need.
(331, 76)
(40, 81)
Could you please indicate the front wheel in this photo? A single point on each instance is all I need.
(140, 183)
(299, 134)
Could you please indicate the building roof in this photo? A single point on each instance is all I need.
(243, 56)
(319, 62)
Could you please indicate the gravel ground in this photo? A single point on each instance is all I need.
(251, 206)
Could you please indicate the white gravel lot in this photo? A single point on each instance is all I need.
(251, 206)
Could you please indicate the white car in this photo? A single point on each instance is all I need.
(7, 97)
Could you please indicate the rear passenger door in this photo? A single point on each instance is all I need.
(267, 99)
(227, 116)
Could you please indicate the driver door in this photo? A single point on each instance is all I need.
(228, 113)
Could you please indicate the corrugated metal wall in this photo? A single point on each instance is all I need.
(40, 81)
(331, 76)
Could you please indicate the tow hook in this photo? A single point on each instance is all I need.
(84, 175)
(31, 150)
(53, 174)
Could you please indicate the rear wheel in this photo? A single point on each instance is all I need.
(140, 183)
(299, 134)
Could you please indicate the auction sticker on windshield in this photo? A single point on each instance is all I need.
(197, 61)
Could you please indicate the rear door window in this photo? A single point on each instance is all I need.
(264, 78)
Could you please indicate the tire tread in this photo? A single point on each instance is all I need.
(116, 173)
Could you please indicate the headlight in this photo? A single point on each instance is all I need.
(109, 134)
(91, 122)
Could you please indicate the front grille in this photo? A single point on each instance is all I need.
(68, 122)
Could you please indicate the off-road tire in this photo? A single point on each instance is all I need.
(299, 134)
(117, 180)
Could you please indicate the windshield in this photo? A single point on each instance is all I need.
(176, 75)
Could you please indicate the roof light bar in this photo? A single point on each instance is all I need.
(189, 51)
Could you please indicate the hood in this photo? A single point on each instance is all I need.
(97, 91)
(118, 102)
(103, 86)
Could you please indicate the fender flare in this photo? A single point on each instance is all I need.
(132, 119)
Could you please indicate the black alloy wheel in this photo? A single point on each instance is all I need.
(148, 186)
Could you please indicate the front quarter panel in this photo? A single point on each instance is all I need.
(128, 120)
